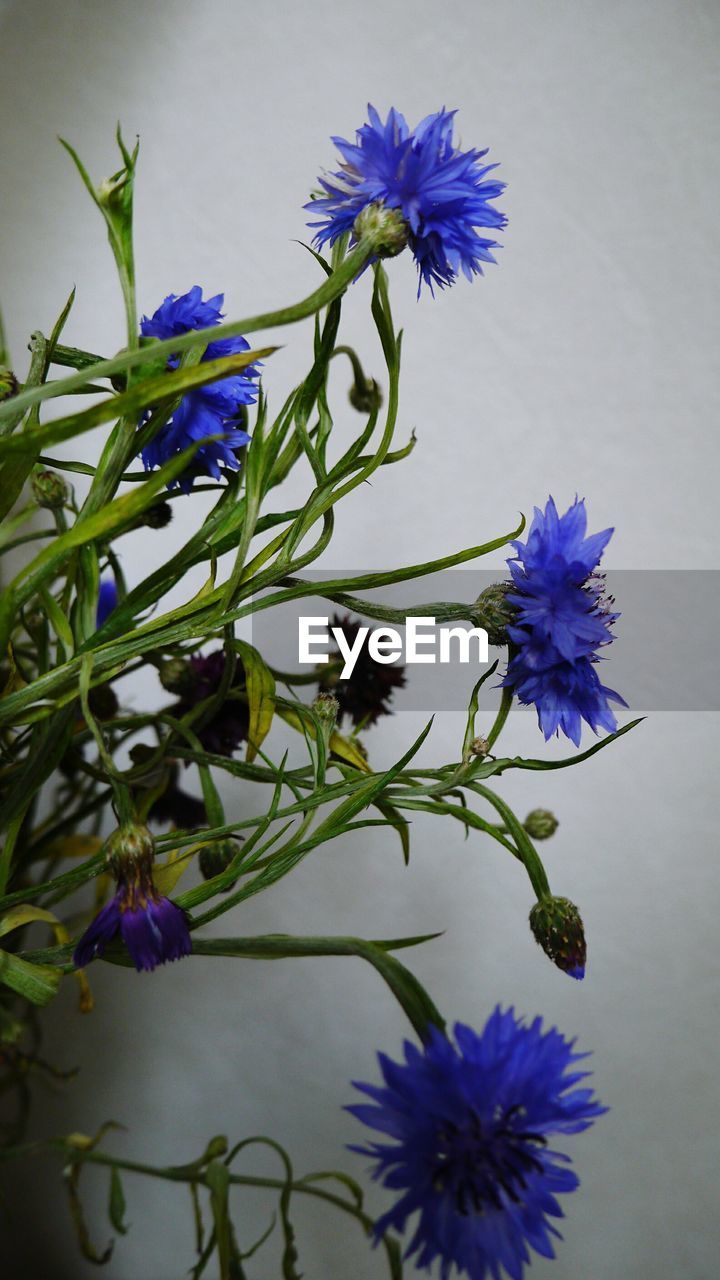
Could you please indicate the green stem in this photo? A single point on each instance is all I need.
(332, 288)
(501, 717)
(528, 853)
(192, 1174)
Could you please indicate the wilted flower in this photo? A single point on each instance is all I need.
(179, 807)
(442, 193)
(210, 410)
(562, 618)
(153, 928)
(368, 691)
(229, 723)
(468, 1129)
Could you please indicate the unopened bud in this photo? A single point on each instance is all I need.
(130, 849)
(216, 857)
(540, 824)
(177, 676)
(492, 612)
(157, 517)
(326, 708)
(103, 702)
(479, 747)
(365, 396)
(8, 383)
(109, 190)
(386, 229)
(49, 489)
(558, 928)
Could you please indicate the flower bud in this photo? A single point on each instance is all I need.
(177, 676)
(479, 747)
(385, 228)
(558, 928)
(131, 850)
(110, 191)
(365, 396)
(8, 383)
(216, 857)
(49, 489)
(540, 824)
(326, 707)
(492, 612)
(157, 517)
(103, 702)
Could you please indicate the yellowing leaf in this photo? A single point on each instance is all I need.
(167, 874)
(24, 913)
(260, 685)
(38, 983)
(75, 846)
(349, 751)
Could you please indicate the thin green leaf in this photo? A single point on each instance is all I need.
(116, 1202)
(152, 390)
(37, 983)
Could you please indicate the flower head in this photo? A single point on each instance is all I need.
(366, 694)
(214, 409)
(229, 723)
(153, 928)
(561, 620)
(468, 1126)
(442, 193)
(49, 488)
(107, 601)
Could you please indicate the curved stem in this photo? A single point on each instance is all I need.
(336, 284)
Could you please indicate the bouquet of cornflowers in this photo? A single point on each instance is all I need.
(105, 809)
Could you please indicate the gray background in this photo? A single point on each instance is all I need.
(584, 363)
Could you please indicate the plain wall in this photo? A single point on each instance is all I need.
(585, 362)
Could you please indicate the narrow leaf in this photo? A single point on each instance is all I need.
(116, 1202)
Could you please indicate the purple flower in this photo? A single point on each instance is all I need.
(229, 723)
(214, 409)
(465, 1144)
(152, 927)
(366, 694)
(442, 193)
(562, 619)
(107, 601)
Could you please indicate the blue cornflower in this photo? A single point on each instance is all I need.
(469, 1127)
(107, 601)
(210, 410)
(561, 619)
(442, 193)
(152, 927)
